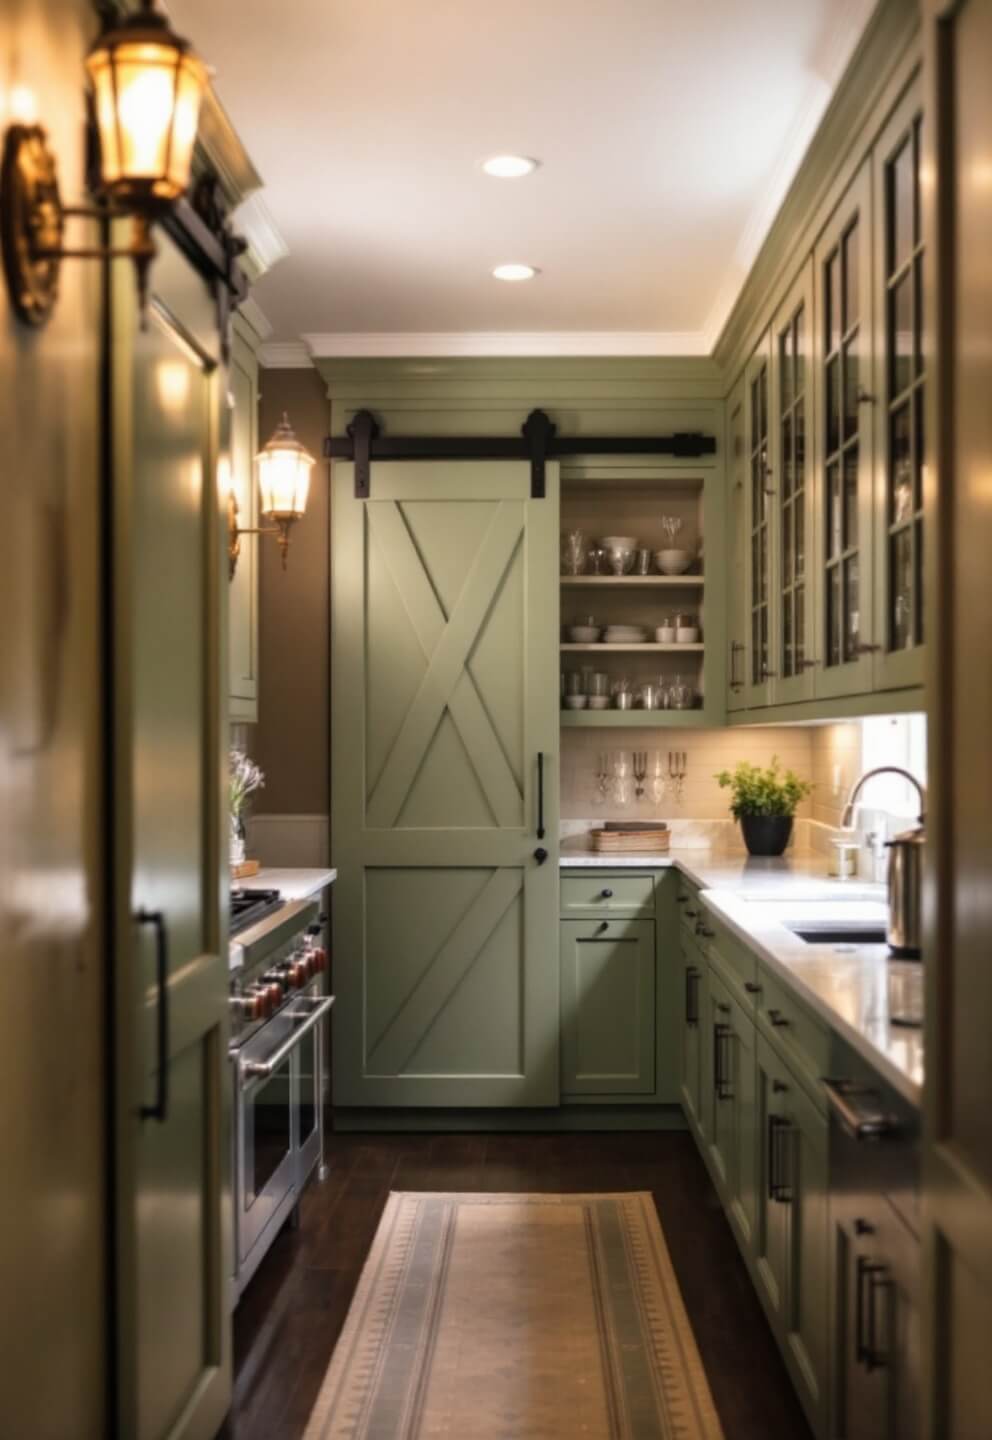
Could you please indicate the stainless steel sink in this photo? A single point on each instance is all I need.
(851, 932)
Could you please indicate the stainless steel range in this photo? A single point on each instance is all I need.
(278, 1063)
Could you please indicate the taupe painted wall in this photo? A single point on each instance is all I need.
(292, 739)
(53, 1190)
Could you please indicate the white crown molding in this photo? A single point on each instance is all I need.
(253, 314)
(410, 345)
(266, 247)
(285, 355)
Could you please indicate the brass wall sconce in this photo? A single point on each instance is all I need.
(147, 89)
(284, 467)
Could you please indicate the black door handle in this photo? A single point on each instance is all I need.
(160, 1109)
(540, 796)
(540, 854)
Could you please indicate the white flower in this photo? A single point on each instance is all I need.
(245, 778)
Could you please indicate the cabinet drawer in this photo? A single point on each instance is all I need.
(802, 1039)
(739, 964)
(597, 893)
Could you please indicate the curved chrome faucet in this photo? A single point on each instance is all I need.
(847, 819)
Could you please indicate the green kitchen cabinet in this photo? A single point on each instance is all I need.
(737, 532)
(719, 1111)
(791, 1262)
(608, 1011)
(445, 801)
(171, 1210)
(242, 628)
(693, 976)
(899, 387)
(730, 1108)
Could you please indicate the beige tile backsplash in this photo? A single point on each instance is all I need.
(707, 751)
(836, 764)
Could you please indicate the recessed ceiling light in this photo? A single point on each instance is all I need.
(514, 272)
(509, 167)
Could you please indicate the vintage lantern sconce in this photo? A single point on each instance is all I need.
(284, 467)
(147, 88)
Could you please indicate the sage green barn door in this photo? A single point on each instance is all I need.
(172, 1084)
(445, 692)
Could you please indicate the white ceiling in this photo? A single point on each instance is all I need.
(667, 133)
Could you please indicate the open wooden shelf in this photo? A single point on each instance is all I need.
(635, 647)
(639, 719)
(622, 582)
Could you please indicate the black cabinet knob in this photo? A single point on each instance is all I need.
(540, 854)
(606, 894)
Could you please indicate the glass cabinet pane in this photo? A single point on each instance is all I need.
(902, 553)
(843, 387)
(760, 502)
(901, 195)
(792, 491)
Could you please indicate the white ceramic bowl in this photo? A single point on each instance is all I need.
(672, 562)
(618, 542)
(584, 634)
(687, 635)
(575, 702)
(598, 702)
(665, 635)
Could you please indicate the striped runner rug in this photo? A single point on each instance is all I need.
(516, 1317)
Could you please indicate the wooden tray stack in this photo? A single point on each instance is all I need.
(636, 838)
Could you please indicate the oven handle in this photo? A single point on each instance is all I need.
(268, 1067)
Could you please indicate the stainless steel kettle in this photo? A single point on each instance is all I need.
(904, 929)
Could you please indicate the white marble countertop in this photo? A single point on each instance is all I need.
(291, 884)
(856, 989)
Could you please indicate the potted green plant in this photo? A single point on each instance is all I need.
(764, 801)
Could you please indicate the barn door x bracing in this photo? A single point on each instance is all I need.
(444, 697)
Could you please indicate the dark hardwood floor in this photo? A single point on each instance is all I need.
(290, 1315)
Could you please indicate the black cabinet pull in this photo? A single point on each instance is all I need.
(606, 894)
(692, 914)
(871, 1282)
(752, 988)
(777, 1018)
(602, 927)
(540, 796)
(540, 854)
(681, 899)
(160, 1109)
(721, 1043)
(691, 995)
(778, 1187)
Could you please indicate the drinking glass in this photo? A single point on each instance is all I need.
(574, 553)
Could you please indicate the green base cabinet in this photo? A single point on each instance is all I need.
(693, 970)
(791, 1264)
(607, 1007)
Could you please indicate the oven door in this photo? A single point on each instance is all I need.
(269, 1120)
(310, 1072)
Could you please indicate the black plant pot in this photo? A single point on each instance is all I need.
(766, 834)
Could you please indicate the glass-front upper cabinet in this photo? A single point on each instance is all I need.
(759, 442)
(792, 411)
(737, 537)
(845, 640)
(899, 383)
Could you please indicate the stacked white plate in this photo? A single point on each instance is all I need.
(625, 635)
